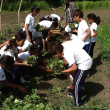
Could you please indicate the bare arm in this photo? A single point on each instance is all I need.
(5, 43)
(43, 41)
(14, 86)
(71, 69)
(88, 33)
(27, 33)
(95, 34)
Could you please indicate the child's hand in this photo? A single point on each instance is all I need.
(23, 90)
(29, 39)
(48, 70)
(25, 63)
(47, 67)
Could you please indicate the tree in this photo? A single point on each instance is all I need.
(19, 12)
(1, 17)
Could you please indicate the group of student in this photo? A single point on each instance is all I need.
(76, 51)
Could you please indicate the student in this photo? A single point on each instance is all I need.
(30, 22)
(93, 22)
(79, 61)
(5, 63)
(11, 48)
(83, 29)
(48, 24)
(34, 50)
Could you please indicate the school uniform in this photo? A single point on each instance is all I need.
(84, 63)
(82, 32)
(46, 24)
(92, 40)
(53, 16)
(29, 20)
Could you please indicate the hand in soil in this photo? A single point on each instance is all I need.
(23, 90)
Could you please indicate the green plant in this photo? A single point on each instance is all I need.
(31, 60)
(39, 28)
(72, 25)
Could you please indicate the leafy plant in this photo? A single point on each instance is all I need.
(72, 25)
(55, 90)
(39, 28)
(31, 60)
(55, 65)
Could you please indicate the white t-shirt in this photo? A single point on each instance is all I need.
(78, 56)
(2, 74)
(29, 20)
(36, 34)
(73, 37)
(54, 16)
(92, 28)
(82, 31)
(46, 24)
(67, 29)
(23, 55)
(8, 52)
(26, 45)
(73, 44)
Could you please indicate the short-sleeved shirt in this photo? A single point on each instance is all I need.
(79, 57)
(36, 34)
(29, 20)
(46, 24)
(2, 74)
(8, 52)
(54, 16)
(92, 28)
(82, 31)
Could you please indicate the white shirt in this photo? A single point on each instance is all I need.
(46, 24)
(8, 52)
(78, 56)
(36, 34)
(54, 16)
(73, 44)
(26, 45)
(2, 74)
(82, 31)
(73, 37)
(23, 55)
(29, 20)
(92, 28)
(67, 29)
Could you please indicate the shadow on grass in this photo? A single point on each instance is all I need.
(91, 89)
(96, 63)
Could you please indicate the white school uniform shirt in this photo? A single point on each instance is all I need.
(23, 56)
(29, 20)
(2, 74)
(73, 44)
(74, 37)
(8, 52)
(46, 24)
(92, 28)
(54, 16)
(36, 34)
(78, 56)
(82, 31)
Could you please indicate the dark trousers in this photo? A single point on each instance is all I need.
(86, 47)
(79, 78)
(91, 48)
(24, 32)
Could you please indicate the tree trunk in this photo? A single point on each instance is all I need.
(1, 17)
(19, 12)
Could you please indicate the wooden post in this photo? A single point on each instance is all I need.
(19, 12)
(1, 17)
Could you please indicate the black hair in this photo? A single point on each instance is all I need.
(34, 47)
(7, 60)
(45, 32)
(55, 19)
(79, 13)
(35, 7)
(55, 24)
(66, 34)
(61, 18)
(18, 36)
(94, 18)
(55, 47)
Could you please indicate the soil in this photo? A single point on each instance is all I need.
(98, 79)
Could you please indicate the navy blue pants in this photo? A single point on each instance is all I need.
(79, 78)
(86, 47)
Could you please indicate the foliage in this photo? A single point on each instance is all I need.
(43, 53)
(39, 28)
(31, 60)
(72, 25)
(55, 90)
(55, 65)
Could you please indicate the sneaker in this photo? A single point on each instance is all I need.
(71, 87)
(69, 95)
(70, 77)
(22, 79)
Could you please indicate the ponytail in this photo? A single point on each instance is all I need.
(18, 36)
(94, 18)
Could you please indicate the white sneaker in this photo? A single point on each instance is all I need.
(22, 79)
(70, 77)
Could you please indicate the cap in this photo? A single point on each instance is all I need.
(65, 1)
